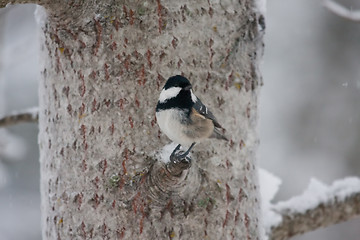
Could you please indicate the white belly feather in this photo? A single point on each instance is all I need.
(170, 124)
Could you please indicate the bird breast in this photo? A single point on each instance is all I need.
(185, 133)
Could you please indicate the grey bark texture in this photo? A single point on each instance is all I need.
(104, 63)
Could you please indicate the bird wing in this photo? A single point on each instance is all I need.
(204, 111)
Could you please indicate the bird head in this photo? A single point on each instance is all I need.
(174, 86)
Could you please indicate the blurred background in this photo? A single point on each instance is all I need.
(309, 109)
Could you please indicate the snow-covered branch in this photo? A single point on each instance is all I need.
(319, 206)
(28, 115)
(342, 11)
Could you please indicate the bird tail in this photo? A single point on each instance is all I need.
(219, 134)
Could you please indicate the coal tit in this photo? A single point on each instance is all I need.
(183, 117)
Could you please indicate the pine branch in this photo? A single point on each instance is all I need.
(29, 115)
(339, 206)
(341, 11)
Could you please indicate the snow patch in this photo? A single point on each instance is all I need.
(318, 192)
(40, 15)
(164, 154)
(34, 111)
(261, 6)
(315, 194)
(269, 186)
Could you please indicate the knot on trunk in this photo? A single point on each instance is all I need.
(174, 180)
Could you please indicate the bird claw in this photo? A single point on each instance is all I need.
(180, 157)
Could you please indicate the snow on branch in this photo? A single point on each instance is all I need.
(341, 11)
(28, 115)
(319, 206)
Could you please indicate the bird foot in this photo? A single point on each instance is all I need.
(180, 157)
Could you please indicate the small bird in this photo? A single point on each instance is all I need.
(183, 117)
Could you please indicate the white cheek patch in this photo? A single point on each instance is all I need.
(193, 97)
(169, 93)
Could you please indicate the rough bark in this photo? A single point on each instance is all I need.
(323, 215)
(104, 65)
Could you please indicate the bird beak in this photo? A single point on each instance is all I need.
(188, 87)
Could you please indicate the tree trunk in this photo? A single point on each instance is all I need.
(105, 63)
